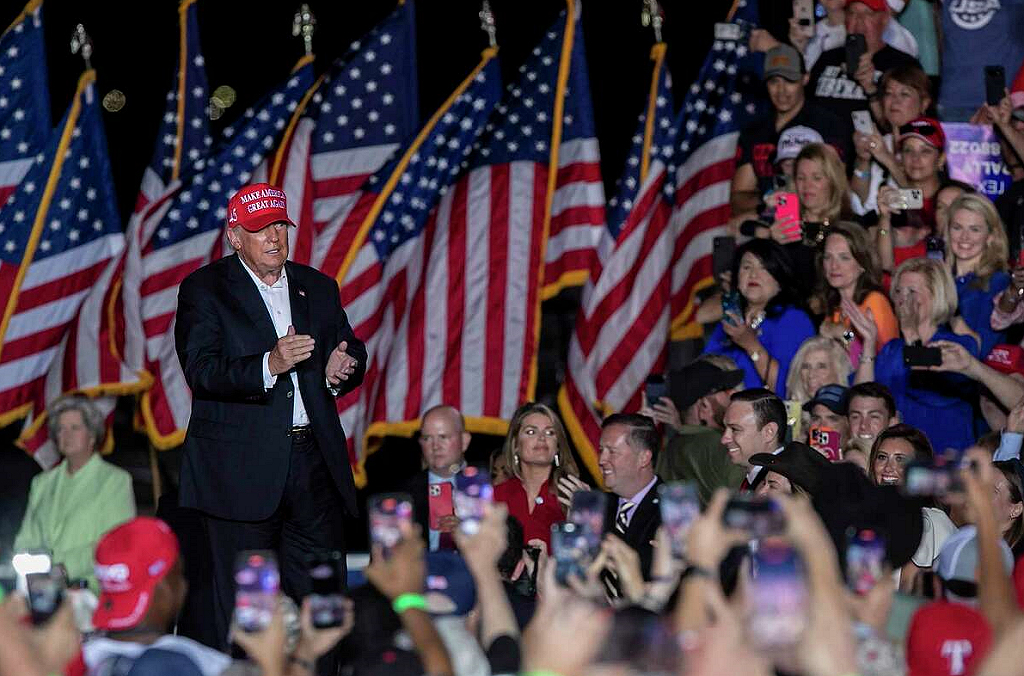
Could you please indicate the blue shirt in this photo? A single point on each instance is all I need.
(975, 34)
(975, 306)
(938, 404)
(781, 335)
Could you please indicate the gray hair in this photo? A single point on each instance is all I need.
(91, 416)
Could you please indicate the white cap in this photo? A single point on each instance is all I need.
(792, 141)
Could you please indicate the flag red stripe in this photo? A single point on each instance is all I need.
(59, 288)
(456, 302)
(498, 271)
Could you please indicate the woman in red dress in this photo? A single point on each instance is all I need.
(537, 455)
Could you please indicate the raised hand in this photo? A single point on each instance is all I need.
(289, 351)
(340, 365)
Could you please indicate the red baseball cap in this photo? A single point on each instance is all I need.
(926, 129)
(946, 638)
(876, 5)
(1006, 358)
(256, 206)
(130, 560)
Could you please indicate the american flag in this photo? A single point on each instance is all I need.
(24, 98)
(57, 236)
(361, 111)
(724, 98)
(673, 200)
(578, 237)
(92, 359)
(181, 231)
(622, 327)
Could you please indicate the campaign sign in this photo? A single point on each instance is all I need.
(972, 155)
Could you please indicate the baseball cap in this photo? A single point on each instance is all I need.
(256, 206)
(449, 584)
(700, 379)
(793, 140)
(798, 462)
(832, 396)
(130, 560)
(945, 639)
(876, 5)
(926, 129)
(1006, 358)
(785, 62)
(958, 557)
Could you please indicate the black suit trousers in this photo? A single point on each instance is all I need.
(307, 520)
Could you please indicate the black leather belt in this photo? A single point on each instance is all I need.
(300, 431)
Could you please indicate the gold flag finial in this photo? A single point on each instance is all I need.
(652, 16)
(81, 42)
(487, 24)
(304, 24)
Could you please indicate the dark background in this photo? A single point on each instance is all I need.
(249, 46)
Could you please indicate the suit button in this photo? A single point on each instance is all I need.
(289, 394)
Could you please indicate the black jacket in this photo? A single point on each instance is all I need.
(643, 527)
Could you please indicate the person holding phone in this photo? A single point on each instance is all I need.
(850, 283)
(938, 403)
(537, 453)
(769, 326)
(978, 253)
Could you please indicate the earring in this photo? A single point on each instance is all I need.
(556, 460)
(515, 456)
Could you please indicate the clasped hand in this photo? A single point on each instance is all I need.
(292, 348)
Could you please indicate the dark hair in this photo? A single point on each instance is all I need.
(1012, 469)
(954, 183)
(776, 263)
(861, 250)
(643, 433)
(913, 436)
(874, 391)
(768, 408)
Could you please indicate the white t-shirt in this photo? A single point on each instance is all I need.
(209, 661)
(828, 37)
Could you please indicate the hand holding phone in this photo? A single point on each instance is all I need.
(326, 602)
(655, 388)
(862, 122)
(731, 306)
(473, 491)
(787, 215)
(865, 559)
(257, 585)
(803, 12)
(856, 45)
(778, 596)
(995, 85)
(825, 440)
(387, 514)
(758, 516)
(921, 355)
(680, 507)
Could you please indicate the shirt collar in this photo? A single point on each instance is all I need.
(642, 493)
(282, 281)
(752, 474)
(438, 479)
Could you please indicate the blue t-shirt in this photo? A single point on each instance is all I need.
(975, 305)
(975, 34)
(780, 334)
(938, 404)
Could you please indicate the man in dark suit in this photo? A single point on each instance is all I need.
(265, 348)
(629, 451)
(443, 439)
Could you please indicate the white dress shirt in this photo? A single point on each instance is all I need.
(275, 298)
(756, 469)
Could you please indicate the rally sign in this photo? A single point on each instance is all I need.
(972, 155)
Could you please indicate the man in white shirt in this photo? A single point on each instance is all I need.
(755, 422)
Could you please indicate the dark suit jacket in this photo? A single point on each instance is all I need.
(642, 527)
(237, 446)
(416, 487)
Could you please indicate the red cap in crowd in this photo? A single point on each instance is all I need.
(130, 560)
(256, 206)
(876, 5)
(1006, 359)
(945, 639)
(926, 129)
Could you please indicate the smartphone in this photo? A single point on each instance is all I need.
(932, 478)
(655, 388)
(778, 596)
(439, 502)
(731, 305)
(788, 207)
(935, 248)
(472, 491)
(257, 583)
(680, 507)
(326, 601)
(856, 45)
(45, 593)
(995, 85)
(921, 355)
(387, 513)
(862, 122)
(825, 440)
(865, 559)
(759, 516)
(722, 251)
(587, 509)
(573, 549)
(794, 418)
(803, 12)
(912, 198)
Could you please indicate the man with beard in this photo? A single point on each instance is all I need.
(701, 394)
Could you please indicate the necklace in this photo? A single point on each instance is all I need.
(757, 320)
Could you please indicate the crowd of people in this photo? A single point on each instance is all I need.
(834, 487)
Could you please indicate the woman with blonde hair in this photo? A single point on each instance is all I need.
(849, 283)
(537, 456)
(938, 403)
(820, 361)
(977, 259)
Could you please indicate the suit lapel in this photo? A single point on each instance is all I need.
(298, 296)
(242, 288)
(643, 513)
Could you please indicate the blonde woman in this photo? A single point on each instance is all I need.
(819, 361)
(977, 258)
(941, 404)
